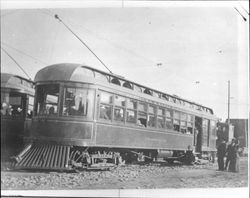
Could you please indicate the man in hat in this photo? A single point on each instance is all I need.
(221, 152)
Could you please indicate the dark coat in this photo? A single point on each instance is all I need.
(221, 150)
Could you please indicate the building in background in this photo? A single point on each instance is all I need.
(241, 131)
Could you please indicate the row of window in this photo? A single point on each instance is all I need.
(112, 107)
(14, 104)
(75, 101)
(123, 109)
(121, 82)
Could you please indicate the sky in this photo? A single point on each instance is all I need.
(190, 50)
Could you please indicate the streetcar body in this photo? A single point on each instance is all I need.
(17, 98)
(79, 109)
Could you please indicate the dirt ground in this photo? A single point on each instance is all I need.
(152, 176)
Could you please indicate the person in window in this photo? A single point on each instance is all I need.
(118, 114)
(4, 108)
(17, 111)
(72, 110)
(51, 110)
(139, 123)
(142, 122)
(104, 113)
(29, 113)
(151, 121)
(81, 108)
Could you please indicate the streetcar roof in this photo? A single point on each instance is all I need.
(16, 82)
(78, 73)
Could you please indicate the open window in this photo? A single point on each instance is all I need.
(116, 81)
(127, 85)
(131, 111)
(119, 108)
(77, 102)
(47, 99)
(106, 100)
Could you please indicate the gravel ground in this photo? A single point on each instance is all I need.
(152, 176)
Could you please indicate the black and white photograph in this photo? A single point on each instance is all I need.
(124, 98)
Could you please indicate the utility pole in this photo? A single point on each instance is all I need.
(228, 110)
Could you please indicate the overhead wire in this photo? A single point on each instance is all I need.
(16, 62)
(21, 52)
(118, 46)
(84, 43)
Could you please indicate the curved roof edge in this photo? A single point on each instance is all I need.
(62, 71)
(5, 77)
(66, 72)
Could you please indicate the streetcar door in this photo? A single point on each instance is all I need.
(198, 134)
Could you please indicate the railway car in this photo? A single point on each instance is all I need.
(17, 98)
(87, 118)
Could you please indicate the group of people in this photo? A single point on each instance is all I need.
(231, 152)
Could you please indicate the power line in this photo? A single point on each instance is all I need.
(23, 53)
(57, 17)
(118, 46)
(16, 63)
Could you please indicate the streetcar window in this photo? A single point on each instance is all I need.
(160, 122)
(169, 123)
(106, 98)
(190, 128)
(165, 97)
(142, 119)
(137, 88)
(119, 111)
(176, 115)
(213, 128)
(120, 101)
(105, 112)
(101, 76)
(142, 106)
(205, 132)
(131, 104)
(17, 104)
(47, 99)
(183, 116)
(151, 109)
(190, 118)
(106, 109)
(151, 116)
(131, 116)
(30, 107)
(160, 112)
(168, 113)
(147, 91)
(119, 114)
(156, 94)
(176, 125)
(115, 81)
(169, 120)
(77, 101)
(151, 121)
(183, 126)
(5, 106)
(171, 99)
(127, 85)
(160, 118)
(131, 113)
(81, 71)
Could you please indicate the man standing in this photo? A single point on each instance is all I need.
(221, 152)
